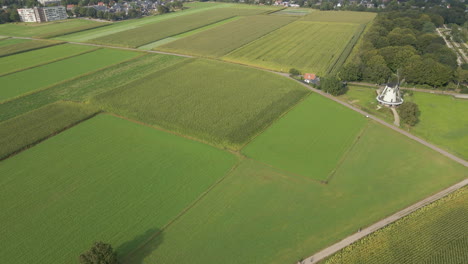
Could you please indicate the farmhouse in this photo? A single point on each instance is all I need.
(311, 78)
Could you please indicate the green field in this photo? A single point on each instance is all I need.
(25, 130)
(13, 46)
(47, 30)
(221, 40)
(19, 83)
(82, 88)
(34, 58)
(340, 17)
(221, 104)
(258, 215)
(156, 31)
(307, 46)
(444, 220)
(105, 179)
(310, 140)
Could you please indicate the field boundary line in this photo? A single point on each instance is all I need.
(326, 252)
(347, 152)
(28, 146)
(127, 258)
(105, 24)
(49, 62)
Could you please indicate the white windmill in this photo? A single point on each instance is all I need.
(391, 95)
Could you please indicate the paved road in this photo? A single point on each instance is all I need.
(382, 223)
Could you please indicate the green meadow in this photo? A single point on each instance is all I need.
(340, 17)
(13, 46)
(11, 41)
(33, 79)
(105, 179)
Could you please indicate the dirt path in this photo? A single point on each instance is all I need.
(396, 117)
(380, 224)
(459, 59)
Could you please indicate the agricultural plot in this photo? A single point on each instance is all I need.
(221, 104)
(411, 239)
(259, 215)
(310, 140)
(84, 87)
(223, 39)
(294, 12)
(307, 46)
(340, 17)
(105, 179)
(19, 83)
(13, 46)
(48, 30)
(34, 58)
(23, 131)
(156, 31)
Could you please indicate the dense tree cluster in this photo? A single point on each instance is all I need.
(100, 253)
(409, 113)
(332, 85)
(403, 42)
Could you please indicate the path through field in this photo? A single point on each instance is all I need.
(395, 116)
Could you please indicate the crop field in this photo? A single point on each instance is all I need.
(13, 46)
(307, 46)
(156, 31)
(27, 129)
(259, 215)
(30, 80)
(82, 88)
(223, 39)
(340, 17)
(33, 58)
(435, 234)
(310, 140)
(129, 183)
(47, 30)
(294, 12)
(225, 108)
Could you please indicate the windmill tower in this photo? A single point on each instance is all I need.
(390, 95)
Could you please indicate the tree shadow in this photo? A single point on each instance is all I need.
(141, 246)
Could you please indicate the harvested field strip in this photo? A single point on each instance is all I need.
(22, 45)
(104, 168)
(307, 46)
(340, 17)
(157, 31)
(82, 88)
(26, 130)
(310, 140)
(221, 40)
(224, 108)
(19, 83)
(34, 58)
(444, 219)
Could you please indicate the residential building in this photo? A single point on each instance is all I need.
(42, 14)
(27, 15)
(47, 2)
(311, 78)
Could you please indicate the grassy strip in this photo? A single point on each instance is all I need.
(27, 130)
(67, 31)
(91, 84)
(340, 17)
(444, 219)
(26, 45)
(5, 41)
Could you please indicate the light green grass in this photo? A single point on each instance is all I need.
(433, 234)
(41, 56)
(156, 31)
(106, 179)
(21, 132)
(219, 103)
(11, 41)
(340, 17)
(223, 39)
(308, 46)
(19, 83)
(82, 88)
(14, 46)
(257, 215)
(45, 30)
(310, 140)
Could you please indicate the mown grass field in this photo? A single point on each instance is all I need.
(433, 234)
(310, 140)
(88, 85)
(156, 31)
(33, 58)
(47, 30)
(30, 80)
(22, 131)
(221, 104)
(307, 46)
(259, 215)
(223, 39)
(13, 46)
(105, 179)
(340, 17)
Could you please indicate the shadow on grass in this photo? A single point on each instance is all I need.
(137, 249)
